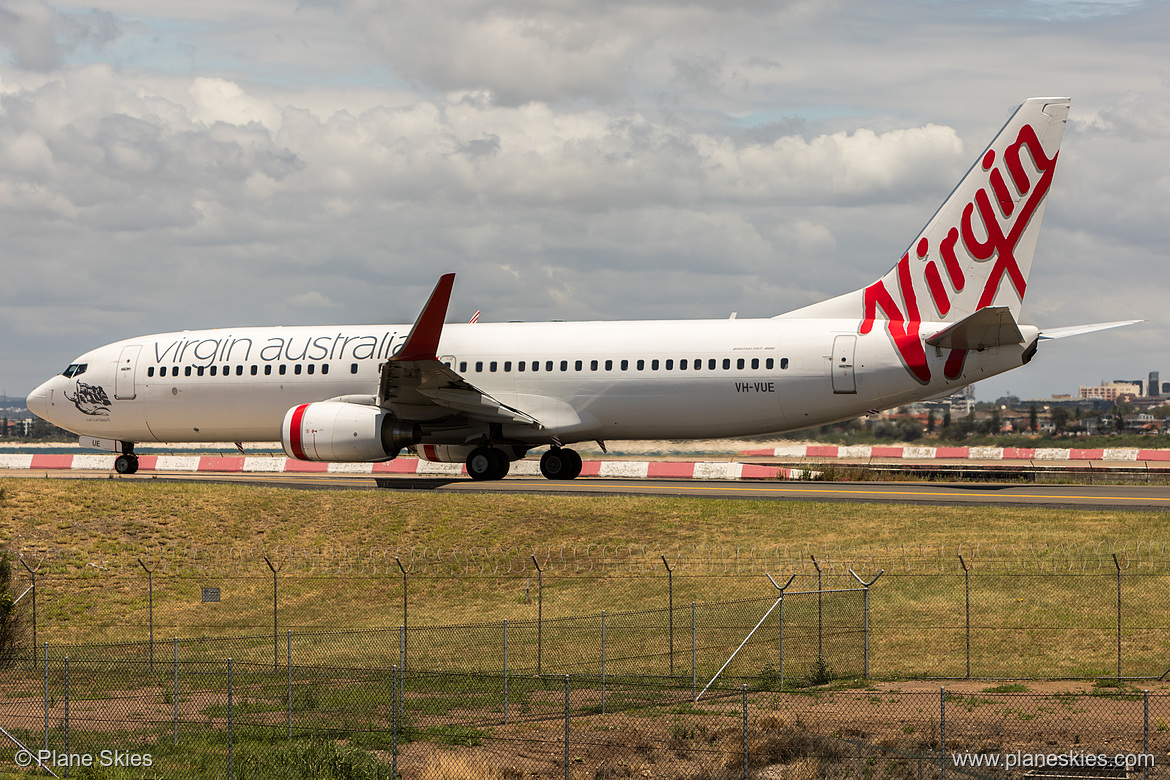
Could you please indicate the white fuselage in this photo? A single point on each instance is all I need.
(582, 380)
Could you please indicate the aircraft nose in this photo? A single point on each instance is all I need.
(38, 401)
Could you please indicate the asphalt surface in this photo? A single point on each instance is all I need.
(1140, 497)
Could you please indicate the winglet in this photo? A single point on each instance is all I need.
(423, 341)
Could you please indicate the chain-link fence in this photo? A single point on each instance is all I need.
(227, 718)
(1028, 616)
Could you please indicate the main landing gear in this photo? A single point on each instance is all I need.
(486, 463)
(127, 462)
(560, 463)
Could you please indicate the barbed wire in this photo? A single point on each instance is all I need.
(584, 559)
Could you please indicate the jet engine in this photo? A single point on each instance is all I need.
(345, 433)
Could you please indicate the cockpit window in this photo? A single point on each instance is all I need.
(75, 369)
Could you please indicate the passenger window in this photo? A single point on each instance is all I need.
(253, 370)
(162, 371)
(187, 371)
(535, 365)
(578, 365)
(564, 365)
(324, 368)
(492, 366)
(609, 365)
(463, 366)
(297, 369)
(783, 362)
(239, 370)
(213, 370)
(669, 365)
(682, 365)
(268, 369)
(548, 365)
(520, 366)
(352, 368)
(739, 363)
(711, 363)
(199, 370)
(641, 365)
(150, 371)
(654, 364)
(507, 365)
(282, 369)
(479, 366)
(625, 365)
(310, 368)
(755, 362)
(592, 365)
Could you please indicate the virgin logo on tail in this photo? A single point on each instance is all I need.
(991, 227)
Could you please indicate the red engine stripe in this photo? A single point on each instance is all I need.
(294, 432)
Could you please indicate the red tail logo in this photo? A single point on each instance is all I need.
(983, 240)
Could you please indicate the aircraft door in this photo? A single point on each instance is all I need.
(124, 380)
(842, 364)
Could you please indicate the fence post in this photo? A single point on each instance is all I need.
(175, 695)
(275, 632)
(33, 573)
(150, 590)
(694, 653)
(743, 708)
(603, 662)
(566, 727)
(820, 613)
(865, 586)
(67, 713)
(539, 614)
(231, 740)
(46, 667)
(505, 671)
(1146, 729)
(1118, 566)
(288, 669)
(404, 622)
(781, 644)
(967, 590)
(670, 609)
(394, 708)
(942, 730)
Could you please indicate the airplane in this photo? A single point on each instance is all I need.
(946, 315)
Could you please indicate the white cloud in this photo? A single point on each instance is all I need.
(187, 164)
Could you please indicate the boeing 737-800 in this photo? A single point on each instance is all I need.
(946, 315)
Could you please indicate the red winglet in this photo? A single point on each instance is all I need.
(423, 341)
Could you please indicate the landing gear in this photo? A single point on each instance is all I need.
(486, 463)
(560, 463)
(126, 464)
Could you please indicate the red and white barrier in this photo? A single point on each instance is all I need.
(616, 469)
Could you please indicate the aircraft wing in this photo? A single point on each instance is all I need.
(415, 377)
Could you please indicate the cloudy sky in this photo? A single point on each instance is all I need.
(201, 164)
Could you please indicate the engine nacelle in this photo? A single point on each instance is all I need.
(344, 433)
(457, 453)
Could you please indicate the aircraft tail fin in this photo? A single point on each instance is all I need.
(976, 251)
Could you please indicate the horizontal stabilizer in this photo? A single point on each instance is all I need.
(1078, 330)
(993, 326)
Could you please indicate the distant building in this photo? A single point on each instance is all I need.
(1111, 391)
(1155, 384)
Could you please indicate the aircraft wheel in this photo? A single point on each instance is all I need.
(486, 463)
(560, 463)
(126, 464)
